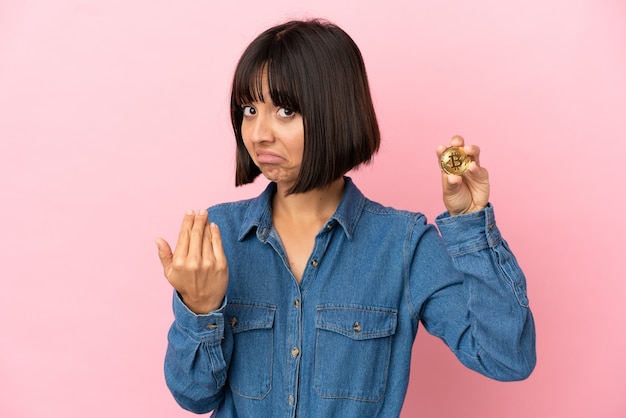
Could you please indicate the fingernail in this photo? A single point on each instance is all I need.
(189, 212)
(202, 212)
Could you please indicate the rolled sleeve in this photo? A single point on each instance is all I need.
(478, 231)
(470, 231)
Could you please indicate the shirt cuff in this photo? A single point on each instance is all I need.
(470, 231)
(207, 326)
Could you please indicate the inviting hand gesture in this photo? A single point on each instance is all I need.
(197, 269)
(469, 192)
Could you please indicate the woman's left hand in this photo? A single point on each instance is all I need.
(469, 192)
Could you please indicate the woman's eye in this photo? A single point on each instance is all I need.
(248, 111)
(286, 113)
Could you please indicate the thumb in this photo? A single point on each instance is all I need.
(165, 252)
(451, 183)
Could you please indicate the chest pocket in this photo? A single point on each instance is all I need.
(352, 352)
(250, 369)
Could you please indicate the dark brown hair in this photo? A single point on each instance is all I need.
(314, 68)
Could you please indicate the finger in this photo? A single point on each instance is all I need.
(478, 173)
(451, 183)
(474, 152)
(197, 232)
(165, 253)
(218, 249)
(182, 245)
(457, 141)
(207, 246)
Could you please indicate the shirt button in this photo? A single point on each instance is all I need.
(211, 326)
(295, 352)
(329, 226)
(296, 303)
(314, 263)
(233, 321)
(356, 327)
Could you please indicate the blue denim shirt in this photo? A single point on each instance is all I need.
(339, 343)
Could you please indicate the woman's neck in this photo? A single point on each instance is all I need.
(313, 206)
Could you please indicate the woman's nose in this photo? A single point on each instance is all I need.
(262, 129)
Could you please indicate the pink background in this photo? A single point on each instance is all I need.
(114, 121)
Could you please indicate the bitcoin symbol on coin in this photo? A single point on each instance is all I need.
(454, 161)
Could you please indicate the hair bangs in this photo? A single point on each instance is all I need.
(283, 87)
(272, 67)
(248, 84)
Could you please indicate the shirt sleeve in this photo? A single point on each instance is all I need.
(476, 300)
(197, 357)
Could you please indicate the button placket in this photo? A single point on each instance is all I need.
(294, 341)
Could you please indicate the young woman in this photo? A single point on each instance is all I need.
(305, 301)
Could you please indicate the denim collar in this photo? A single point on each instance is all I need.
(259, 213)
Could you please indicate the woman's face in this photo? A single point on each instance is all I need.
(274, 138)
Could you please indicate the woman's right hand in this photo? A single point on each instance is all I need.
(197, 269)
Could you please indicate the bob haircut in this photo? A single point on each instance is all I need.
(314, 68)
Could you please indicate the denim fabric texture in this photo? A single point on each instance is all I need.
(339, 343)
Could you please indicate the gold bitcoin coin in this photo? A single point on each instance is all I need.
(454, 161)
